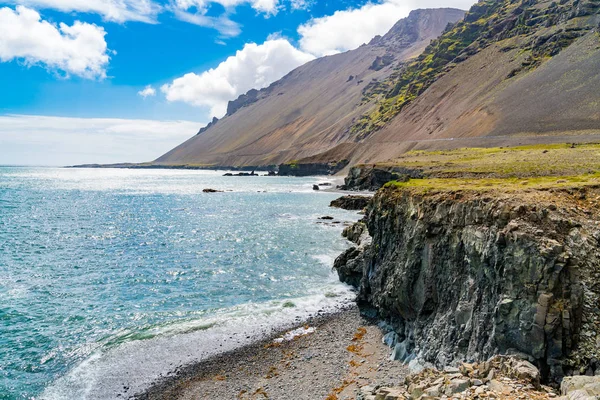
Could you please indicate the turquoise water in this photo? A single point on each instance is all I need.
(110, 278)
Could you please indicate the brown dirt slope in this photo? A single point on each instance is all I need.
(311, 109)
(557, 102)
(512, 72)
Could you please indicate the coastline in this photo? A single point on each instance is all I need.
(344, 352)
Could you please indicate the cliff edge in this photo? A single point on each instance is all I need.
(465, 269)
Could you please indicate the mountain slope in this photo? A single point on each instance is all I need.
(311, 109)
(524, 72)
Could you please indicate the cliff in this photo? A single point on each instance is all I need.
(462, 275)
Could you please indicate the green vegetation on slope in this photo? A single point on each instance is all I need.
(543, 30)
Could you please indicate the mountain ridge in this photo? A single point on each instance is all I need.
(311, 108)
(511, 72)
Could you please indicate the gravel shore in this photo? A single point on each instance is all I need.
(343, 353)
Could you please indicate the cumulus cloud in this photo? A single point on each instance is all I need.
(148, 91)
(253, 67)
(348, 29)
(28, 139)
(79, 49)
(110, 10)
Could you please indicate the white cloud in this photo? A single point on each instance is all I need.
(195, 12)
(79, 49)
(253, 67)
(110, 10)
(28, 139)
(301, 4)
(148, 91)
(225, 26)
(348, 29)
(265, 6)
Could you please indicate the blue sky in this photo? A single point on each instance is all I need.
(76, 75)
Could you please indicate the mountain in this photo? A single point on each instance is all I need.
(313, 108)
(512, 72)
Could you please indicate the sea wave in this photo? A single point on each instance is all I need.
(131, 361)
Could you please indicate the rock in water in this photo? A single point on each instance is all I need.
(212, 191)
(316, 187)
(351, 202)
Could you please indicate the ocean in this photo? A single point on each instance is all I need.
(111, 278)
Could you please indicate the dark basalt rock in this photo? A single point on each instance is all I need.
(312, 169)
(464, 279)
(351, 202)
(373, 178)
(242, 101)
(316, 187)
(210, 124)
(242, 174)
(212, 191)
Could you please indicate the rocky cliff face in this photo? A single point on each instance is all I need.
(312, 169)
(464, 276)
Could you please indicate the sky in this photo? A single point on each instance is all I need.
(104, 81)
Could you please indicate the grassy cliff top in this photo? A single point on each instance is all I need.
(507, 162)
(507, 169)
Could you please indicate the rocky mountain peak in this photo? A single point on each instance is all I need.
(419, 24)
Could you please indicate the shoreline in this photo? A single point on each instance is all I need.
(344, 352)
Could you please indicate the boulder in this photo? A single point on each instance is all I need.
(527, 371)
(373, 178)
(581, 386)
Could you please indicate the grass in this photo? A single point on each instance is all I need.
(536, 167)
(509, 162)
(495, 184)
